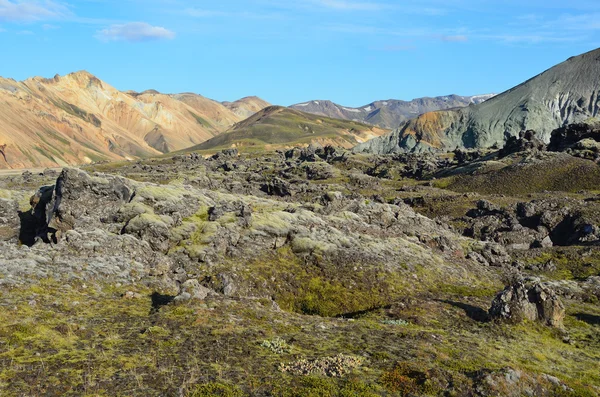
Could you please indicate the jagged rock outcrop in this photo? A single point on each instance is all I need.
(527, 141)
(579, 140)
(533, 224)
(567, 93)
(528, 300)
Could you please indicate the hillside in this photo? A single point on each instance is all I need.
(390, 113)
(564, 94)
(247, 106)
(78, 118)
(276, 127)
(317, 273)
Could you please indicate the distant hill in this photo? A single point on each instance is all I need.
(79, 118)
(567, 93)
(391, 113)
(279, 127)
(247, 106)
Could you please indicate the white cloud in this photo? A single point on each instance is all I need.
(135, 32)
(31, 10)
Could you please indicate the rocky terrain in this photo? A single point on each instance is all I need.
(308, 271)
(390, 113)
(79, 119)
(277, 127)
(564, 94)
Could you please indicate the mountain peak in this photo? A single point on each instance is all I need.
(564, 94)
(387, 113)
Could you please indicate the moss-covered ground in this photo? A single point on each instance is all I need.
(93, 339)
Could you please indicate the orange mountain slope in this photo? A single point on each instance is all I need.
(80, 119)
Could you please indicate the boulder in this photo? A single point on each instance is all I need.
(77, 199)
(528, 300)
(311, 152)
(192, 289)
(278, 187)
(9, 220)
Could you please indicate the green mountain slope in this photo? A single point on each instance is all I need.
(277, 127)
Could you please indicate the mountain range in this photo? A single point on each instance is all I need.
(389, 113)
(78, 118)
(567, 93)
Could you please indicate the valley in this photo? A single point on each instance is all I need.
(171, 245)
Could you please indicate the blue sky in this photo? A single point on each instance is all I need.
(290, 51)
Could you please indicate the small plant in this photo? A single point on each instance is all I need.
(277, 346)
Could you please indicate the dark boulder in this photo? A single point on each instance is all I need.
(565, 137)
(526, 142)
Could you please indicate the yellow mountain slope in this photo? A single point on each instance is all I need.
(80, 119)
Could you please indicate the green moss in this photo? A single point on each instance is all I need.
(558, 173)
(464, 290)
(159, 193)
(277, 223)
(324, 298)
(571, 263)
(201, 121)
(215, 390)
(77, 112)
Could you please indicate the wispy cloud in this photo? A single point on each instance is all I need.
(204, 13)
(580, 22)
(455, 38)
(135, 32)
(31, 10)
(397, 48)
(350, 5)
(354, 5)
(532, 38)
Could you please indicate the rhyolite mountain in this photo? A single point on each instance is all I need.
(78, 118)
(247, 106)
(278, 127)
(391, 113)
(564, 94)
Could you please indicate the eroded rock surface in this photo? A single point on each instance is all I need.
(528, 300)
